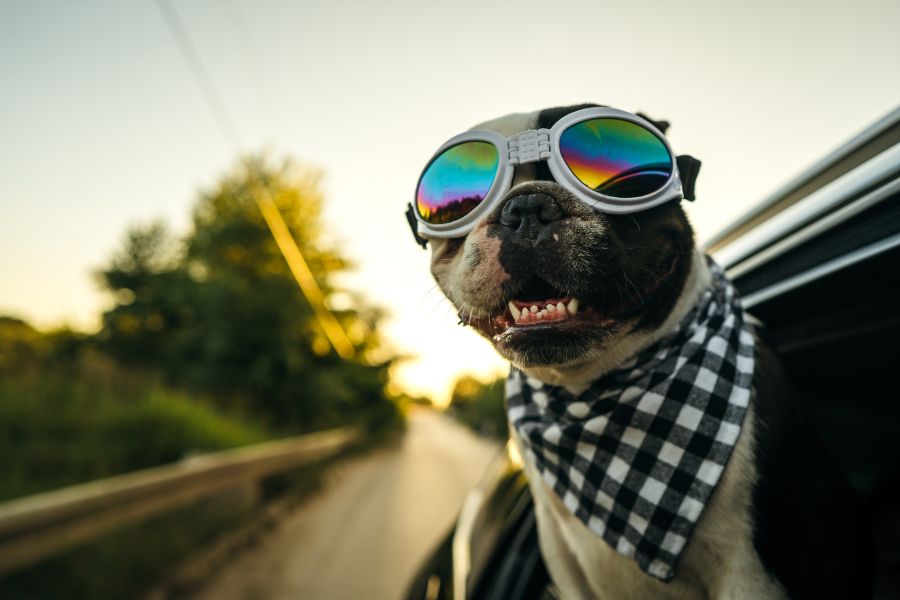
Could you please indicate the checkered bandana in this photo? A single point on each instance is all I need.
(637, 456)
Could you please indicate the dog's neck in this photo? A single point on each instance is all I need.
(577, 378)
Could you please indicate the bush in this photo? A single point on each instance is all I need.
(67, 426)
(479, 405)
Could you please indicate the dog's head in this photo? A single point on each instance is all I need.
(554, 283)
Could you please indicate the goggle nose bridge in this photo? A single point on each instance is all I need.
(529, 146)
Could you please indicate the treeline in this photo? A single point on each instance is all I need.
(208, 343)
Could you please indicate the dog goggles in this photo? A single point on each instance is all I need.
(614, 161)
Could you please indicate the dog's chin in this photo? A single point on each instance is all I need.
(554, 345)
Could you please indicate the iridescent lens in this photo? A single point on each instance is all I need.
(456, 181)
(616, 158)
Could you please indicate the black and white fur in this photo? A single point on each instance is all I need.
(782, 523)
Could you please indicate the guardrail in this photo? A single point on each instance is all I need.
(36, 527)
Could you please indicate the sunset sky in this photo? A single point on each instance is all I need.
(102, 125)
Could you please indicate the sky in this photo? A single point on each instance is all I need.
(102, 125)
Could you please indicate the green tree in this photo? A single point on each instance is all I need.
(219, 311)
(22, 347)
(24, 350)
(480, 405)
(148, 286)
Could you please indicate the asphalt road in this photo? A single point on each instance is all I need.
(365, 535)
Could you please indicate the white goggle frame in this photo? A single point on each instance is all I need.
(536, 145)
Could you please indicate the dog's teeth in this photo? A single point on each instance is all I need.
(533, 308)
(514, 311)
(550, 308)
(560, 307)
(541, 315)
(572, 308)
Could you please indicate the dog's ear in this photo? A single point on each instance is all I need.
(661, 125)
(688, 166)
(688, 169)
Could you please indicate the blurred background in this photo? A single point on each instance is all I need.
(202, 247)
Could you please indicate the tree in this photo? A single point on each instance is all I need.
(480, 405)
(219, 310)
(22, 347)
(148, 286)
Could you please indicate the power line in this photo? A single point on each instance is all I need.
(201, 75)
(261, 87)
(261, 193)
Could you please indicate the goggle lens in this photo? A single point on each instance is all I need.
(615, 157)
(457, 181)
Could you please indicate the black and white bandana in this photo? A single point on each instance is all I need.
(637, 456)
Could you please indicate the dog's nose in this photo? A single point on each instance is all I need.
(529, 213)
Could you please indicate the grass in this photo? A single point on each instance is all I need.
(71, 425)
(77, 423)
(56, 430)
(126, 563)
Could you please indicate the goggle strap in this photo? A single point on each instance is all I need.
(688, 168)
(411, 219)
(529, 146)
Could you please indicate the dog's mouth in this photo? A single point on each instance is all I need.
(526, 313)
(538, 305)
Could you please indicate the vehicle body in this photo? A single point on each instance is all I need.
(818, 263)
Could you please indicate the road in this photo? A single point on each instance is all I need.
(365, 535)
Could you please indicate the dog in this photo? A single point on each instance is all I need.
(781, 521)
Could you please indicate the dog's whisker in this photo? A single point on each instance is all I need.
(434, 288)
(634, 287)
